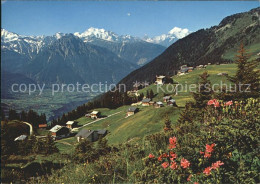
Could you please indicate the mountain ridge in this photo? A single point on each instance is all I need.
(71, 60)
(202, 47)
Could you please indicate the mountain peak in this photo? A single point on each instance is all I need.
(92, 32)
(58, 35)
(167, 39)
(8, 36)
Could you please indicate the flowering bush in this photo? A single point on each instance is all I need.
(216, 145)
(179, 168)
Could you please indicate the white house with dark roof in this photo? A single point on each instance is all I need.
(95, 114)
(158, 104)
(167, 98)
(160, 79)
(71, 124)
(60, 131)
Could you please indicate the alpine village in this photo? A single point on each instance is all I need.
(157, 131)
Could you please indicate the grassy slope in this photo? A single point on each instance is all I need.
(253, 49)
(148, 120)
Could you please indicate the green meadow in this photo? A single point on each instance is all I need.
(148, 120)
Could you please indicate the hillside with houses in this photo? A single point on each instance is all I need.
(191, 115)
(102, 134)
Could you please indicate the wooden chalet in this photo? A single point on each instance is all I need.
(172, 102)
(158, 104)
(151, 103)
(71, 124)
(95, 114)
(160, 79)
(131, 111)
(90, 135)
(59, 131)
(146, 102)
(167, 98)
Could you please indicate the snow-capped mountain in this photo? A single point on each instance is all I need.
(168, 39)
(92, 34)
(28, 46)
(31, 45)
(133, 49)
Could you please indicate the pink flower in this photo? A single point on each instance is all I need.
(165, 165)
(213, 102)
(185, 163)
(151, 155)
(217, 164)
(174, 165)
(159, 158)
(172, 142)
(229, 103)
(216, 104)
(207, 170)
(196, 183)
(209, 148)
(164, 155)
(173, 155)
(207, 155)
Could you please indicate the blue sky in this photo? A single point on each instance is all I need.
(135, 18)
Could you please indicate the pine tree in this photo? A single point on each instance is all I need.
(204, 91)
(13, 115)
(83, 146)
(5, 139)
(102, 146)
(33, 118)
(147, 94)
(141, 97)
(2, 115)
(23, 116)
(247, 75)
(167, 124)
(50, 146)
(151, 94)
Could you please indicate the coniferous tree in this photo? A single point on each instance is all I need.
(5, 139)
(167, 124)
(141, 97)
(33, 118)
(204, 91)
(151, 94)
(23, 116)
(13, 115)
(84, 151)
(50, 146)
(102, 146)
(2, 115)
(147, 94)
(246, 79)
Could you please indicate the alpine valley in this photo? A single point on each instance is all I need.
(93, 56)
(190, 112)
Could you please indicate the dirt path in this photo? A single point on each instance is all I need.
(31, 128)
(100, 119)
(64, 143)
